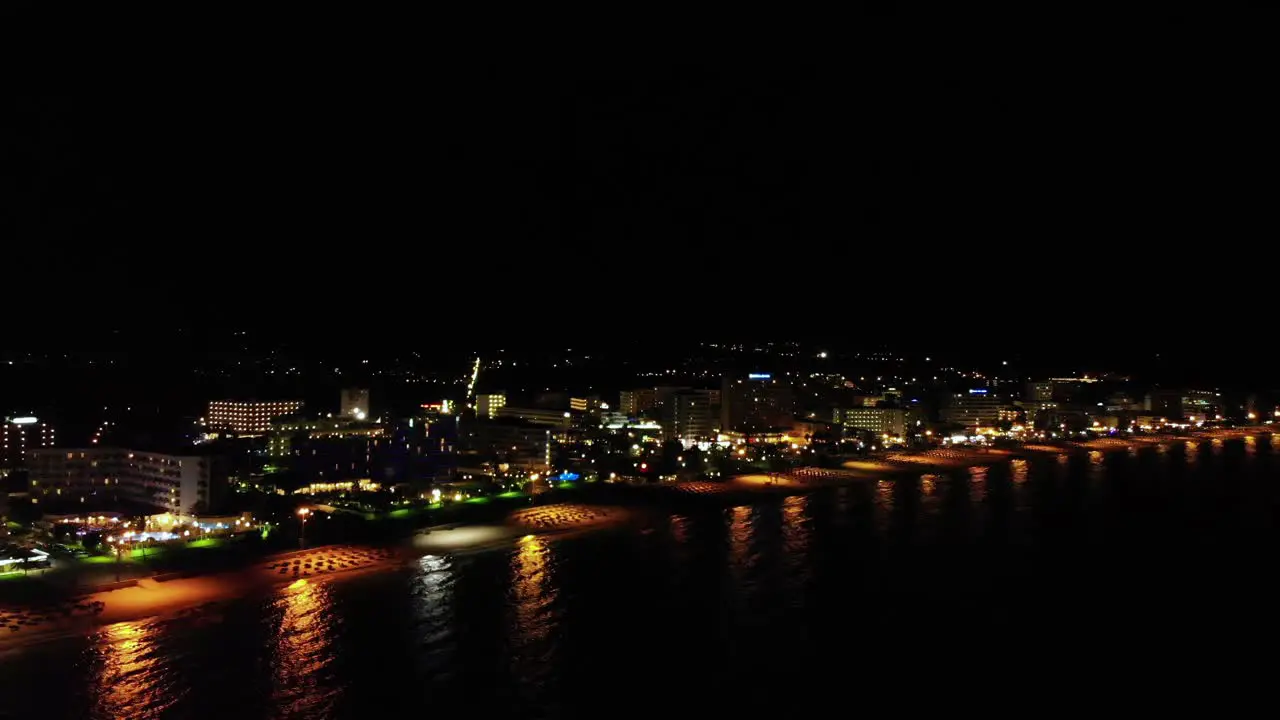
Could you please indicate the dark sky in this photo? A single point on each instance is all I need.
(1086, 188)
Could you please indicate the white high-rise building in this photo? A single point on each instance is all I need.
(99, 475)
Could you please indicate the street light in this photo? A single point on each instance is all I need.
(302, 536)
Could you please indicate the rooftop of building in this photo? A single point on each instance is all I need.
(202, 450)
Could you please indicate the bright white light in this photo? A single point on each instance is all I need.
(23, 420)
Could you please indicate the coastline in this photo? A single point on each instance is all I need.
(175, 594)
(152, 598)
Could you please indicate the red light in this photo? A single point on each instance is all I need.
(644, 466)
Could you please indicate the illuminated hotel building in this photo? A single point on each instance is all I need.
(633, 402)
(248, 416)
(877, 420)
(755, 402)
(283, 433)
(103, 475)
(690, 418)
(973, 409)
(19, 436)
(342, 449)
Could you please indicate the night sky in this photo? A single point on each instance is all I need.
(1052, 195)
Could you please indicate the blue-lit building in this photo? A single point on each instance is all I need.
(975, 408)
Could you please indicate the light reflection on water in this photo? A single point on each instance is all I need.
(532, 592)
(797, 531)
(680, 529)
(134, 678)
(1019, 468)
(978, 484)
(740, 533)
(303, 650)
(884, 504)
(1096, 467)
(781, 577)
(928, 485)
(432, 590)
(743, 558)
(533, 619)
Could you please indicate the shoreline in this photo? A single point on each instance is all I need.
(180, 593)
(898, 465)
(152, 598)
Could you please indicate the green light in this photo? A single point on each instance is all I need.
(98, 559)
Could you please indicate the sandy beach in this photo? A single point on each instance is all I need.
(557, 519)
(155, 597)
(152, 596)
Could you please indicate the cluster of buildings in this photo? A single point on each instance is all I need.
(756, 402)
(765, 408)
(1082, 403)
(387, 451)
(494, 435)
(192, 477)
(556, 431)
(347, 448)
